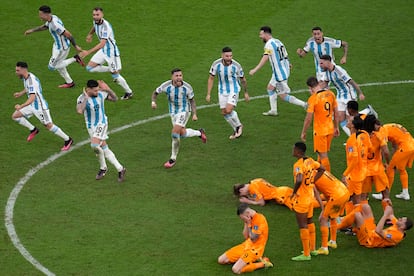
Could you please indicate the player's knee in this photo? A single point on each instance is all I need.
(95, 148)
(236, 270)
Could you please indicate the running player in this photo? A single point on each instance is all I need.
(35, 105)
(106, 51)
(230, 74)
(61, 46)
(275, 52)
(181, 103)
(91, 103)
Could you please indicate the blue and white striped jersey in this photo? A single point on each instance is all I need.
(178, 97)
(278, 58)
(94, 109)
(56, 29)
(105, 31)
(340, 79)
(228, 76)
(33, 86)
(325, 48)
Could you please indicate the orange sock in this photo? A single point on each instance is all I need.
(324, 235)
(304, 236)
(252, 267)
(349, 206)
(333, 229)
(325, 162)
(312, 236)
(404, 179)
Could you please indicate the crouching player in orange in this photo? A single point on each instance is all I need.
(247, 256)
(259, 190)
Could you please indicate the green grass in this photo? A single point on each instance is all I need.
(178, 221)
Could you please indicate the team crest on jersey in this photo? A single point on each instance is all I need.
(58, 30)
(104, 34)
(389, 236)
(351, 149)
(31, 88)
(256, 227)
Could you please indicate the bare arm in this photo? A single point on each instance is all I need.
(244, 86)
(194, 109)
(210, 83)
(306, 124)
(301, 52)
(19, 94)
(29, 101)
(247, 200)
(98, 46)
(111, 94)
(35, 29)
(89, 35)
(336, 123)
(262, 62)
(388, 213)
(81, 105)
(154, 100)
(68, 35)
(344, 45)
(358, 89)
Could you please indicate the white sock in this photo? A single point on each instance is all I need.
(64, 73)
(345, 128)
(100, 154)
(294, 100)
(175, 146)
(65, 63)
(272, 100)
(229, 120)
(59, 132)
(235, 118)
(24, 122)
(98, 69)
(110, 156)
(189, 132)
(405, 191)
(122, 82)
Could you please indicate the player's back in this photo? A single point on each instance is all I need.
(397, 134)
(323, 104)
(330, 186)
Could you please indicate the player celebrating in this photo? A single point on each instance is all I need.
(106, 51)
(181, 103)
(321, 45)
(229, 73)
(91, 103)
(275, 52)
(61, 46)
(35, 105)
(247, 256)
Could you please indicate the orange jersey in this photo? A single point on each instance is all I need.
(357, 147)
(258, 225)
(259, 188)
(322, 104)
(369, 238)
(374, 160)
(397, 134)
(307, 167)
(330, 186)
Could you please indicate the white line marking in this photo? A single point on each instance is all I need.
(8, 216)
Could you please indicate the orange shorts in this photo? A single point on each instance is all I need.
(334, 207)
(354, 187)
(322, 143)
(364, 232)
(303, 206)
(380, 181)
(245, 252)
(402, 159)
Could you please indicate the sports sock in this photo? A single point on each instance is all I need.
(312, 236)
(189, 132)
(175, 145)
(64, 73)
(333, 228)
(121, 82)
(65, 63)
(272, 100)
(304, 237)
(293, 100)
(390, 174)
(110, 156)
(24, 122)
(100, 154)
(59, 132)
(98, 69)
(345, 128)
(228, 119)
(252, 267)
(404, 180)
(235, 118)
(324, 235)
(348, 220)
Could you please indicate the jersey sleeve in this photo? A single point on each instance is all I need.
(307, 47)
(268, 49)
(342, 74)
(213, 69)
(57, 27)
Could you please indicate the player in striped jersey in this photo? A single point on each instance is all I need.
(61, 46)
(91, 103)
(229, 74)
(345, 88)
(106, 51)
(321, 45)
(35, 105)
(275, 52)
(181, 103)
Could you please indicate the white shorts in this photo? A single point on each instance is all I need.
(321, 76)
(57, 56)
(281, 86)
(42, 115)
(114, 63)
(180, 118)
(99, 131)
(231, 98)
(342, 104)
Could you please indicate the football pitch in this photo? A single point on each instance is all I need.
(57, 219)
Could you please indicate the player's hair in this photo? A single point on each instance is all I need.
(236, 189)
(22, 64)
(45, 9)
(226, 49)
(175, 70)
(98, 9)
(301, 146)
(317, 28)
(266, 29)
(312, 82)
(326, 57)
(242, 208)
(358, 123)
(408, 224)
(369, 123)
(353, 105)
(92, 83)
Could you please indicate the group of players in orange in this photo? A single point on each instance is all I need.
(369, 163)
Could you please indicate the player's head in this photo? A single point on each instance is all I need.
(97, 14)
(227, 55)
(369, 123)
(265, 33)
(240, 189)
(177, 77)
(404, 223)
(299, 149)
(352, 107)
(312, 83)
(21, 69)
(325, 61)
(92, 88)
(245, 212)
(357, 123)
(317, 34)
(44, 12)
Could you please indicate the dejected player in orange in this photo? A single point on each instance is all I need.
(322, 106)
(248, 256)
